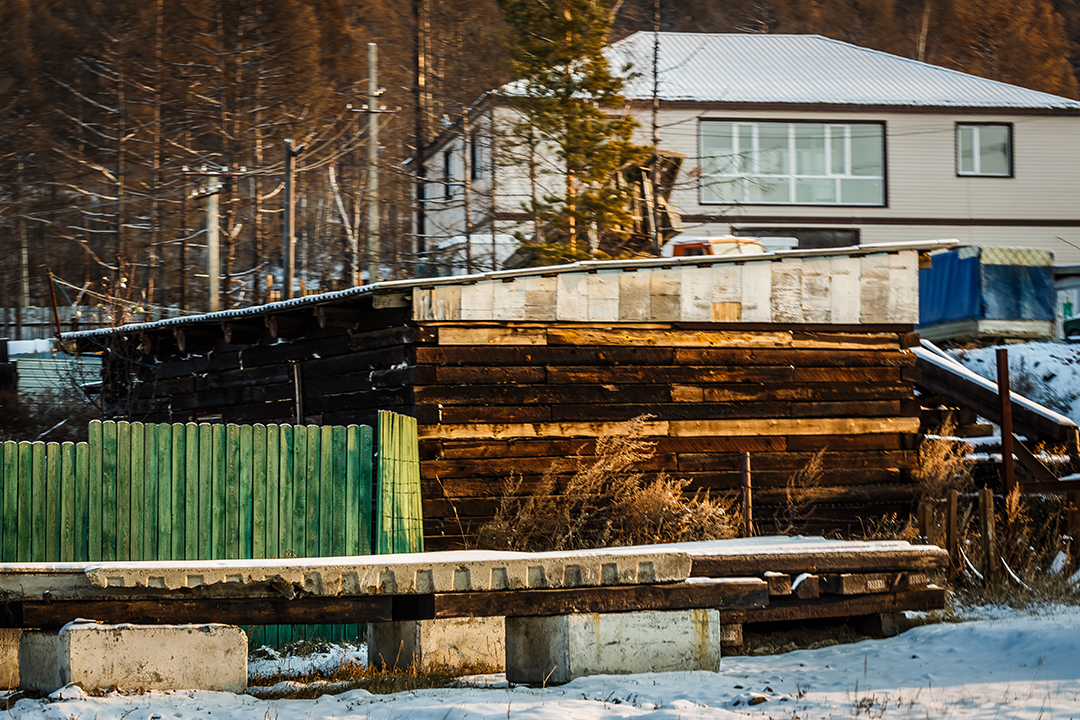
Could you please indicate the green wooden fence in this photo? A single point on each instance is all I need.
(191, 491)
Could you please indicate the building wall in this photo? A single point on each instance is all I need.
(925, 198)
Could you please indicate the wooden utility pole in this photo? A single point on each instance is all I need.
(288, 253)
(654, 210)
(374, 251)
(23, 306)
(213, 259)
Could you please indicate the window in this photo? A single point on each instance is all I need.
(984, 149)
(448, 174)
(782, 163)
(808, 238)
(475, 159)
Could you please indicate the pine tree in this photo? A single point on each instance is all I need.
(571, 102)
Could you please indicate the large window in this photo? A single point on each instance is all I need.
(781, 163)
(984, 149)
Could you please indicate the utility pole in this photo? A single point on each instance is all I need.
(23, 306)
(288, 251)
(654, 216)
(374, 251)
(212, 192)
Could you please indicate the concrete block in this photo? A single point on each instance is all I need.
(557, 649)
(9, 658)
(451, 641)
(150, 657)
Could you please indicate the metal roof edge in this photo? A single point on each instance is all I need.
(923, 246)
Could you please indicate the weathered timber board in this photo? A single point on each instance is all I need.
(733, 593)
(867, 583)
(834, 606)
(251, 611)
(794, 563)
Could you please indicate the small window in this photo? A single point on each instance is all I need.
(984, 150)
(475, 159)
(448, 175)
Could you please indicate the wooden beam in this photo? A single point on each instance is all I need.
(286, 326)
(247, 611)
(926, 557)
(722, 594)
(834, 606)
(335, 317)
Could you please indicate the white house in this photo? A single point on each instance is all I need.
(805, 137)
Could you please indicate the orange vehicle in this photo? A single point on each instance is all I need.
(688, 247)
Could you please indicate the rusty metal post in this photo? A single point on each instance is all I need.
(747, 498)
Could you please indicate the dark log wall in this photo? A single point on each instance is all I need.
(346, 374)
(492, 410)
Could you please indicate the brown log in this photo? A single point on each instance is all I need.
(921, 557)
(833, 606)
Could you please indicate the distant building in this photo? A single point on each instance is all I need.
(806, 137)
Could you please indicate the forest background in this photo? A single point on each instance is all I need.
(111, 109)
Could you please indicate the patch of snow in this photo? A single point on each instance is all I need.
(1047, 372)
(1007, 664)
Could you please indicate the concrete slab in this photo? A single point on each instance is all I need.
(556, 649)
(135, 657)
(453, 641)
(9, 658)
(407, 573)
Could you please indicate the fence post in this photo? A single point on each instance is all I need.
(925, 514)
(1008, 471)
(747, 498)
(952, 538)
(986, 530)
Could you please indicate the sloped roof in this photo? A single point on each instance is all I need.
(807, 69)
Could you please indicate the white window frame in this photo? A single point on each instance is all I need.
(976, 129)
(838, 175)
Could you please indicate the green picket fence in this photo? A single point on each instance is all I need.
(191, 491)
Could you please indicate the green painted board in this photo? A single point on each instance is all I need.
(123, 491)
(327, 496)
(232, 492)
(82, 503)
(299, 518)
(218, 483)
(67, 503)
(285, 515)
(365, 488)
(150, 493)
(246, 490)
(53, 502)
(273, 491)
(137, 449)
(164, 492)
(352, 490)
(311, 542)
(258, 492)
(206, 498)
(179, 492)
(191, 493)
(9, 503)
(26, 490)
(108, 491)
(94, 488)
(39, 504)
(338, 481)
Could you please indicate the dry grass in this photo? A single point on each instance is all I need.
(802, 490)
(605, 503)
(943, 465)
(352, 675)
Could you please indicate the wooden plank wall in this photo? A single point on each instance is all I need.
(349, 365)
(500, 398)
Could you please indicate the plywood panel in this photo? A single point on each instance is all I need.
(603, 289)
(540, 297)
(903, 304)
(477, 301)
(665, 290)
(817, 290)
(635, 300)
(845, 291)
(572, 303)
(787, 291)
(696, 296)
(874, 288)
(757, 292)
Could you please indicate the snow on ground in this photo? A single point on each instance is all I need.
(1008, 665)
(1046, 372)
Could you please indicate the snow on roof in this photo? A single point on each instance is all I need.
(399, 286)
(804, 69)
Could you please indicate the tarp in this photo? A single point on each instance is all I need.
(961, 286)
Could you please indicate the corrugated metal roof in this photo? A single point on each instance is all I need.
(804, 69)
(392, 286)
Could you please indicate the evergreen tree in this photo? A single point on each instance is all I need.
(571, 104)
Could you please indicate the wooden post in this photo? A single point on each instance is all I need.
(1008, 474)
(986, 530)
(926, 513)
(747, 498)
(952, 536)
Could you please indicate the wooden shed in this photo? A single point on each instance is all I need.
(780, 355)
